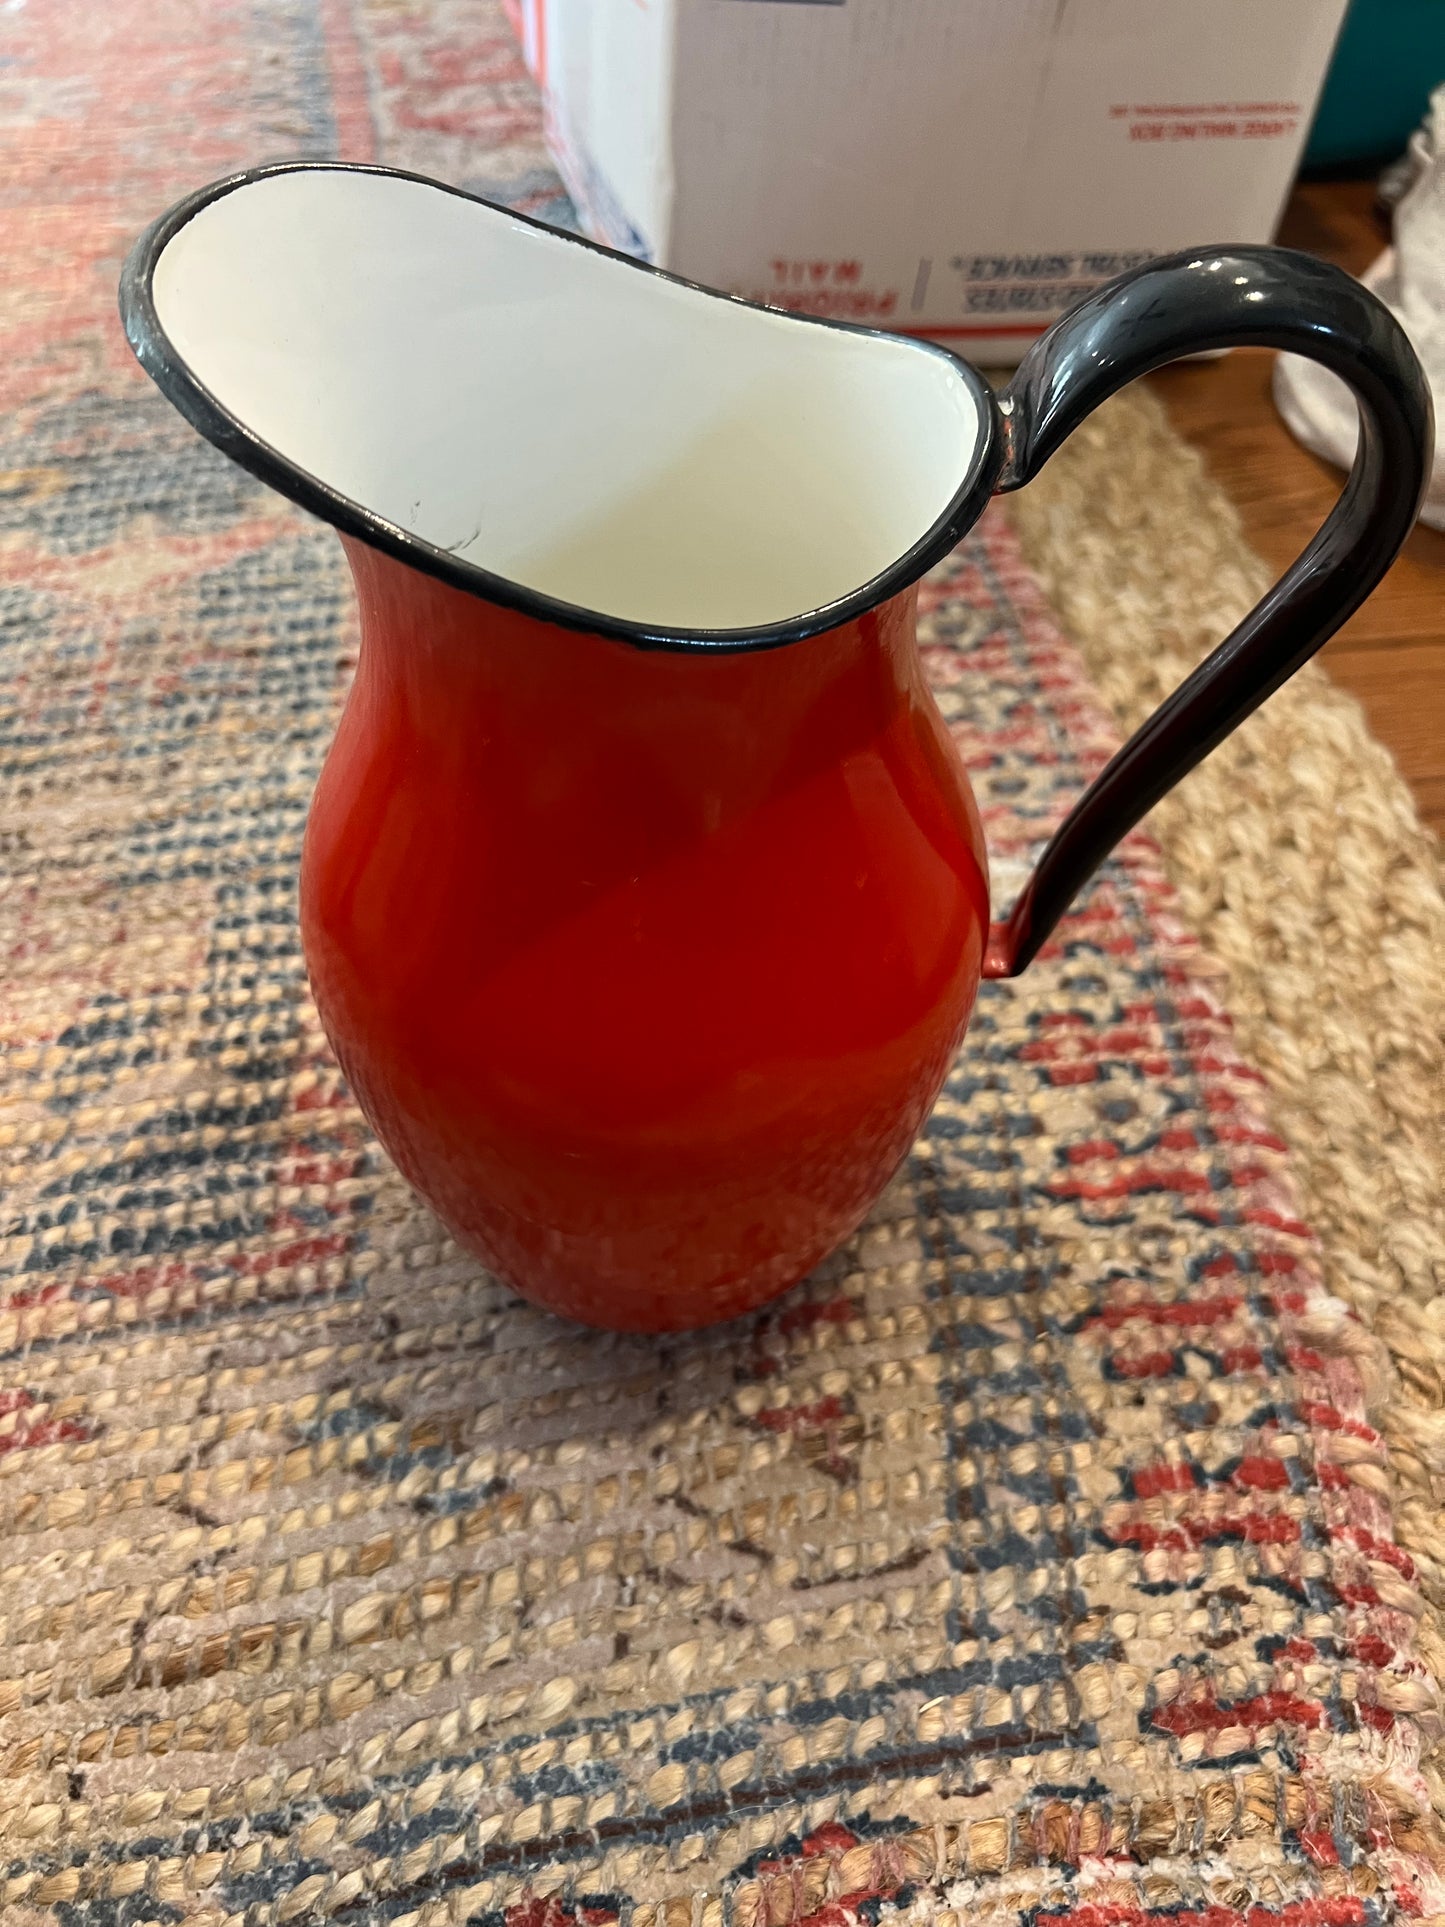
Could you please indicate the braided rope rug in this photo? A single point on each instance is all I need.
(1033, 1562)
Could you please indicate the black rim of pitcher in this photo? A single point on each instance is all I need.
(172, 374)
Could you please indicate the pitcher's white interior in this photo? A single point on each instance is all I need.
(601, 435)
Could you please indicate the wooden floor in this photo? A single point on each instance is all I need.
(1392, 653)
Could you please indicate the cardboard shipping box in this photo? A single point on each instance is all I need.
(958, 168)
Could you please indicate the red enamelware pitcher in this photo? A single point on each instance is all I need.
(644, 896)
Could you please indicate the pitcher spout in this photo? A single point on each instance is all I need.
(551, 425)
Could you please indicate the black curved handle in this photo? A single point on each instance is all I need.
(1180, 305)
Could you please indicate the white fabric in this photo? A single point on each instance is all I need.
(1410, 278)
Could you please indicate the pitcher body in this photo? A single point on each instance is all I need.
(646, 967)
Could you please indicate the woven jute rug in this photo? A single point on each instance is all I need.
(1034, 1562)
(1300, 861)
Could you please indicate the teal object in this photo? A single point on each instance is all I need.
(1391, 53)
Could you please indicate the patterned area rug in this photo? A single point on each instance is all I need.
(1300, 860)
(1032, 1563)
